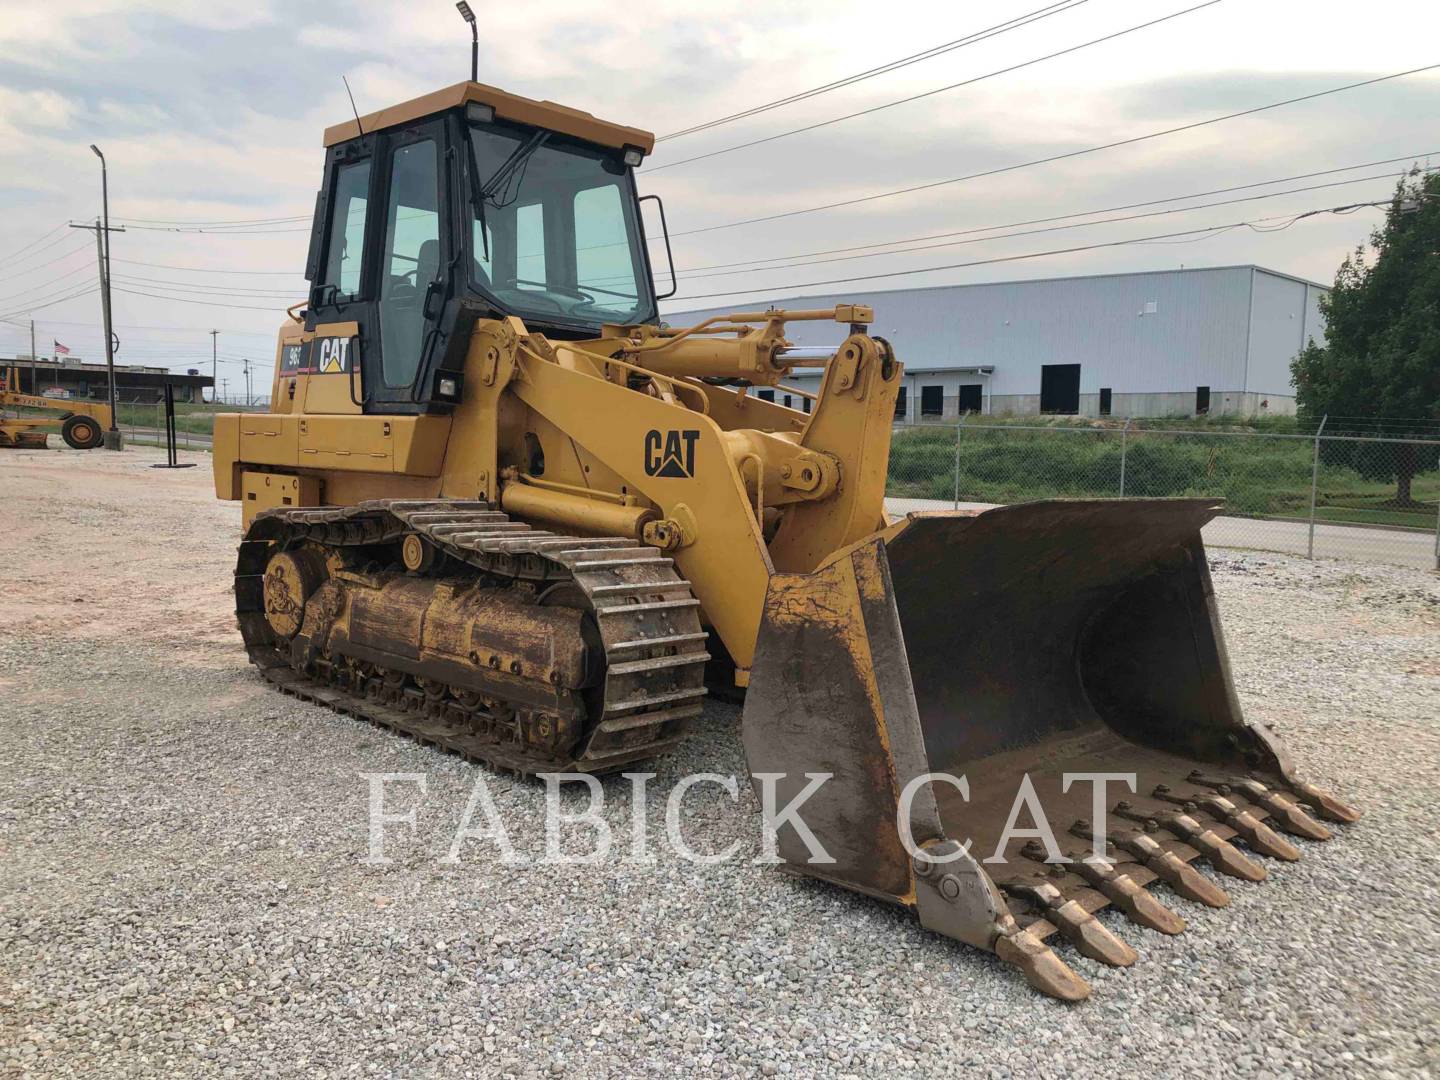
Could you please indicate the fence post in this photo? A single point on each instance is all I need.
(1437, 528)
(1124, 441)
(1314, 484)
(959, 423)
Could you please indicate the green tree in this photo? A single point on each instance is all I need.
(1381, 358)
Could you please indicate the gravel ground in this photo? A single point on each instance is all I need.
(184, 892)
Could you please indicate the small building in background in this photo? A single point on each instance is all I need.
(1216, 340)
(75, 378)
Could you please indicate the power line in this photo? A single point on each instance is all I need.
(169, 329)
(1087, 213)
(37, 251)
(1056, 157)
(894, 65)
(232, 221)
(218, 230)
(938, 90)
(742, 268)
(39, 306)
(48, 284)
(206, 269)
(205, 287)
(207, 303)
(81, 247)
(32, 243)
(1194, 233)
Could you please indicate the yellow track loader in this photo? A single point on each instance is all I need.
(82, 424)
(497, 505)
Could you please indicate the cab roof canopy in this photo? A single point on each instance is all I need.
(541, 114)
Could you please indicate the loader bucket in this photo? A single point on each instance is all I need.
(1020, 651)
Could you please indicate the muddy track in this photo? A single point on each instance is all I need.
(644, 615)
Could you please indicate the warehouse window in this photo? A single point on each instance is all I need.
(1105, 401)
(805, 404)
(767, 395)
(902, 406)
(1202, 400)
(788, 401)
(972, 398)
(1060, 388)
(932, 400)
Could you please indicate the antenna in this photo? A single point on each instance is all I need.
(356, 111)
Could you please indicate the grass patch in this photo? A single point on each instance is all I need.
(1256, 477)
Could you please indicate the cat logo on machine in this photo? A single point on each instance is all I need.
(334, 354)
(671, 454)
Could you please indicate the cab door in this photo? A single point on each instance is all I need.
(341, 314)
(413, 280)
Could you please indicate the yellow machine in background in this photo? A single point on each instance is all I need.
(82, 426)
(498, 506)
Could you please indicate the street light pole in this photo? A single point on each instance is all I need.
(214, 364)
(102, 233)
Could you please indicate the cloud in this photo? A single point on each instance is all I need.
(215, 112)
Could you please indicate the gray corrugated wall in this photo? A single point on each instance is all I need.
(1196, 334)
(1284, 315)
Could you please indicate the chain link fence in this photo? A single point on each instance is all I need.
(1322, 495)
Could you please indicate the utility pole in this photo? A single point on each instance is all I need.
(225, 386)
(102, 240)
(214, 364)
(110, 343)
(34, 384)
(246, 364)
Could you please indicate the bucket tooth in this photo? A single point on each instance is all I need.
(1042, 969)
(1092, 937)
(1328, 806)
(1134, 900)
(1222, 854)
(1137, 902)
(1255, 832)
(1283, 809)
(1166, 865)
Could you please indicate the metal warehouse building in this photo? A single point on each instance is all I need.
(1162, 343)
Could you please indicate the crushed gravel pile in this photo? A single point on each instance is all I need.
(185, 891)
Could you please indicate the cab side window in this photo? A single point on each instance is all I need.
(347, 229)
(411, 260)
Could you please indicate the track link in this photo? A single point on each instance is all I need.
(645, 614)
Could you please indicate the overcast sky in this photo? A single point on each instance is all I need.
(212, 112)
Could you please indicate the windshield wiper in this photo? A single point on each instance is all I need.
(522, 153)
(480, 194)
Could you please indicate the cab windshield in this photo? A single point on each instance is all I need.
(553, 228)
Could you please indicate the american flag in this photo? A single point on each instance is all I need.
(61, 350)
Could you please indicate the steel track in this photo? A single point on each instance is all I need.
(646, 616)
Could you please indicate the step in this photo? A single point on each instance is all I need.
(638, 587)
(645, 719)
(635, 667)
(669, 639)
(646, 750)
(652, 605)
(658, 699)
(611, 564)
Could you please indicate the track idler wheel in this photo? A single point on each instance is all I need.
(290, 579)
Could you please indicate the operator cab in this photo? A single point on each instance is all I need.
(469, 203)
